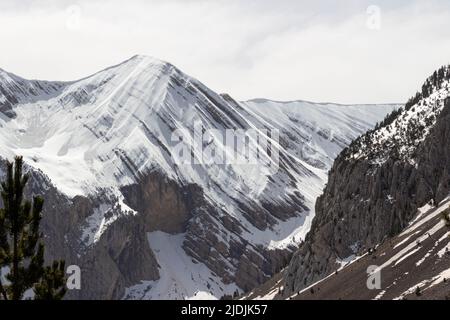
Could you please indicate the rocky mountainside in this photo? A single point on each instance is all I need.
(414, 264)
(141, 221)
(377, 184)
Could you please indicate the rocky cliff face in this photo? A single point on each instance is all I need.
(377, 184)
(121, 257)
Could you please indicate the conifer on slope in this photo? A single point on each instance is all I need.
(21, 246)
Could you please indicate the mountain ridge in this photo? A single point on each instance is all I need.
(169, 64)
(259, 100)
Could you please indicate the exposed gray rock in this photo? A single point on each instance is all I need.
(364, 202)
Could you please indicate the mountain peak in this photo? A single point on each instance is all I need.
(137, 58)
(144, 69)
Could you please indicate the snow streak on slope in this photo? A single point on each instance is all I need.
(321, 130)
(312, 135)
(104, 132)
(181, 278)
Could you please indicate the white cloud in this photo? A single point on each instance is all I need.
(283, 50)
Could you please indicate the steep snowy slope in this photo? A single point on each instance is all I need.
(321, 130)
(15, 90)
(114, 139)
(416, 258)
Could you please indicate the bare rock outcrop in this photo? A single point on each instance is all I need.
(364, 202)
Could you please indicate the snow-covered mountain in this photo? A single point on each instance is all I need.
(104, 150)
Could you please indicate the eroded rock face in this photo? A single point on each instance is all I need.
(212, 236)
(122, 256)
(365, 202)
(120, 259)
(235, 259)
(163, 203)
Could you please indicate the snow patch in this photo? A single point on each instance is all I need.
(181, 277)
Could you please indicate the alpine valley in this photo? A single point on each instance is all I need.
(142, 226)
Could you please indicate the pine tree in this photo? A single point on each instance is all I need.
(3, 251)
(21, 247)
(52, 284)
(418, 292)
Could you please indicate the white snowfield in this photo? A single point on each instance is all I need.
(102, 132)
(181, 277)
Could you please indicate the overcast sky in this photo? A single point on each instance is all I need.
(354, 52)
